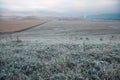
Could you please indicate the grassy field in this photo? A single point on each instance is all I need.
(13, 25)
(62, 50)
(21, 60)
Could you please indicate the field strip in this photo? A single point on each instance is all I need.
(25, 27)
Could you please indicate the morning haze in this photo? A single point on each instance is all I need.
(59, 40)
(75, 8)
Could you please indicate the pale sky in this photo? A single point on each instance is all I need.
(63, 6)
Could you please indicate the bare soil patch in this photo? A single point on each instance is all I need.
(18, 25)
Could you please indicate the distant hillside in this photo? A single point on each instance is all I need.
(106, 16)
(44, 13)
(40, 13)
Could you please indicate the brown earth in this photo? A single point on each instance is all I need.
(18, 25)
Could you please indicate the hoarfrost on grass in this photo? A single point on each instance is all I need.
(34, 61)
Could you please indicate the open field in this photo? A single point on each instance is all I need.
(11, 25)
(62, 50)
(65, 31)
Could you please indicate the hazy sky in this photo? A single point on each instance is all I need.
(63, 6)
